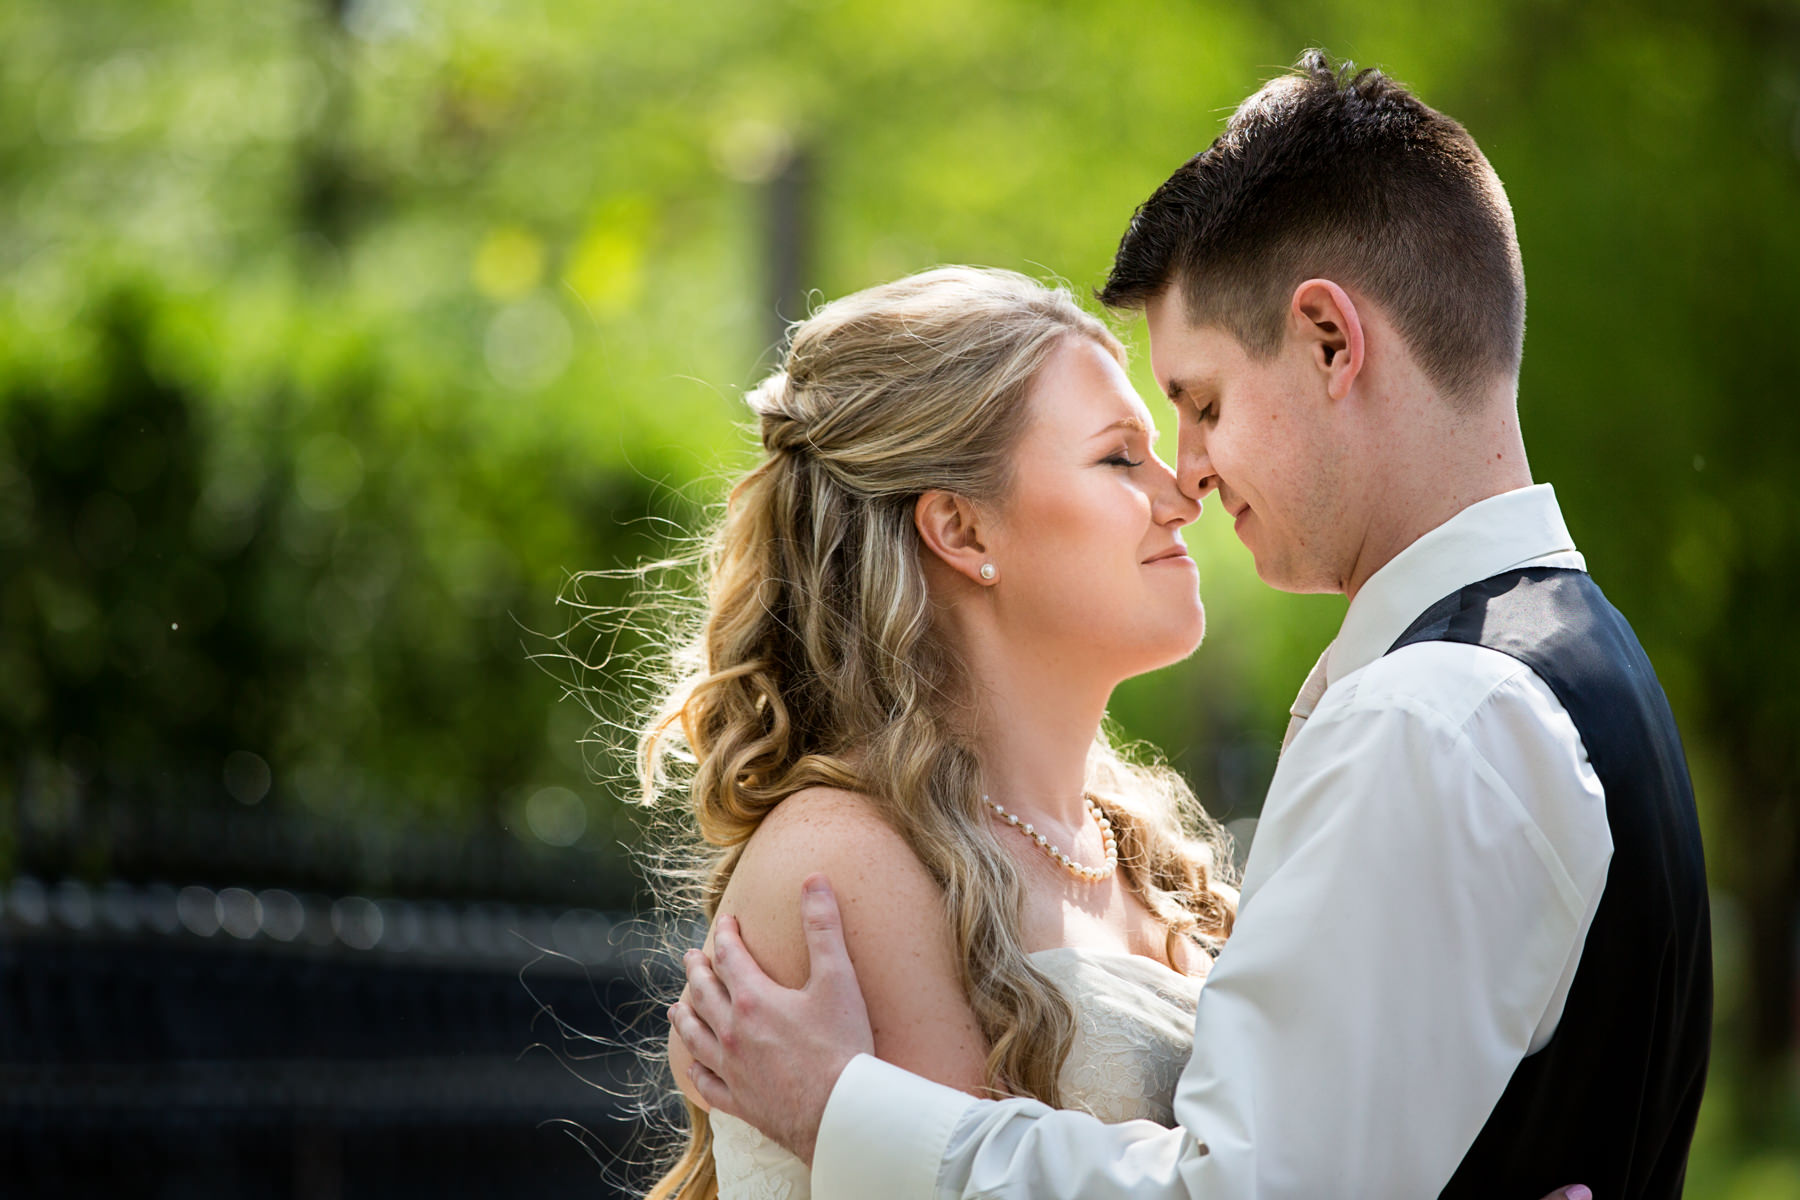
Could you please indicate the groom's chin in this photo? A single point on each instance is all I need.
(1283, 575)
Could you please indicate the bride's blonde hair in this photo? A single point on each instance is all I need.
(816, 660)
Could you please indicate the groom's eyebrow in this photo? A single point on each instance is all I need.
(1190, 391)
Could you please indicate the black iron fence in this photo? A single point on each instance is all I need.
(161, 1041)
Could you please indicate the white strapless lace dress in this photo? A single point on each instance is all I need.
(1134, 1030)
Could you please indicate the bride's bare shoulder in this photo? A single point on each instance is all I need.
(885, 893)
(822, 824)
(893, 920)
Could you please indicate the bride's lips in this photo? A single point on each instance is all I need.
(1175, 553)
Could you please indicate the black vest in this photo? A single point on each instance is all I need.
(1610, 1101)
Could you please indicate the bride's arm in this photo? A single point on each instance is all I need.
(894, 929)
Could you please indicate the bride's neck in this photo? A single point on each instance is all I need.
(1034, 725)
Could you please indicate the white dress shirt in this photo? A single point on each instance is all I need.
(1429, 859)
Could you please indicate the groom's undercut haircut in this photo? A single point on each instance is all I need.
(1328, 172)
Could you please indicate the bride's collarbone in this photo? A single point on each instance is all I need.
(1119, 925)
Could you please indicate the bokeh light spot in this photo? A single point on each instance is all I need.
(509, 263)
(528, 344)
(357, 922)
(752, 150)
(198, 910)
(556, 816)
(240, 913)
(328, 472)
(247, 777)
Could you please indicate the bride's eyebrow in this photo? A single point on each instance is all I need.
(1130, 425)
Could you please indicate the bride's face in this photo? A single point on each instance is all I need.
(1088, 547)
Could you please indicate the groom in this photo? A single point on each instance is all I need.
(1472, 953)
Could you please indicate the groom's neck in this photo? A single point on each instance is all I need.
(1432, 461)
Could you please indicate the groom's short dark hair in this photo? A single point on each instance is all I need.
(1341, 174)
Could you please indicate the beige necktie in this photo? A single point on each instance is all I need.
(1307, 700)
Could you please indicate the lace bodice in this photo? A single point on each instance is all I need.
(1134, 1029)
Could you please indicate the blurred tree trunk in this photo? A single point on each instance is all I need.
(1767, 852)
(789, 242)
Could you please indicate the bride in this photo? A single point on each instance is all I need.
(957, 544)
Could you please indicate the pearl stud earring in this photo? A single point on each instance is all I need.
(988, 571)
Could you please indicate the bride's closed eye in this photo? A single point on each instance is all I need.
(1122, 459)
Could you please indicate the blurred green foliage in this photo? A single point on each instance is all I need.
(334, 334)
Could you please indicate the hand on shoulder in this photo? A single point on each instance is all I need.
(893, 922)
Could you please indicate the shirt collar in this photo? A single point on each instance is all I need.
(1501, 533)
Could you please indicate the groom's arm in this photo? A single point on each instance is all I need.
(1421, 884)
(1414, 908)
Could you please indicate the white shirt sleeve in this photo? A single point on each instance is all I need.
(1410, 920)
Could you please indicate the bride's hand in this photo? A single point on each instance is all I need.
(767, 1054)
(1575, 1191)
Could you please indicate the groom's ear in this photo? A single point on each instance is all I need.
(1326, 320)
(951, 528)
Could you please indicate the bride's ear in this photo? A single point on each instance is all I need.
(951, 528)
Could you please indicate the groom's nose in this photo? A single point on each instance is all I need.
(1193, 469)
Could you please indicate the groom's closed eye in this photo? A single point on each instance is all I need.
(1198, 404)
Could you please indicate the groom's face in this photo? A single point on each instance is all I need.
(1254, 431)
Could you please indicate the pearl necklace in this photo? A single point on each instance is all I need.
(1085, 874)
